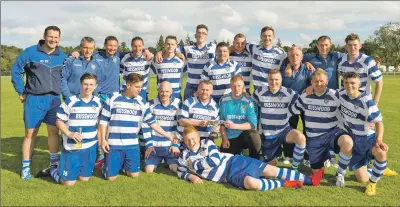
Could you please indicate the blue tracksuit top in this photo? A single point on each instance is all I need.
(42, 70)
(108, 74)
(298, 81)
(73, 70)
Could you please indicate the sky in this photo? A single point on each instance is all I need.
(295, 22)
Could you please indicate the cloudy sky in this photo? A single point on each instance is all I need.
(22, 23)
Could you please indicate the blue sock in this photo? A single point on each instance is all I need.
(266, 184)
(377, 170)
(298, 155)
(26, 163)
(343, 163)
(288, 174)
(53, 158)
(331, 154)
(55, 174)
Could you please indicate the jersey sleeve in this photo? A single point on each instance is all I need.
(106, 112)
(17, 71)
(183, 171)
(63, 111)
(373, 72)
(211, 160)
(204, 75)
(148, 117)
(149, 141)
(184, 114)
(65, 74)
(250, 48)
(297, 107)
(153, 68)
(374, 115)
(251, 115)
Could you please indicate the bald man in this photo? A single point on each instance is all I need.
(158, 148)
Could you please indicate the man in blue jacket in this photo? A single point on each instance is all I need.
(76, 67)
(42, 65)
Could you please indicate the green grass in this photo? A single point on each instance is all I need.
(164, 188)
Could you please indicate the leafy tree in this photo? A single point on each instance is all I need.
(181, 43)
(160, 43)
(286, 48)
(123, 47)
(188, 39)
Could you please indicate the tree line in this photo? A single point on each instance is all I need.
(384, 42)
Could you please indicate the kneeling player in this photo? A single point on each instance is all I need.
(359, 110)
(77, 120)
(165, 108)
(201, 159)
(123, 114)
(321, 125)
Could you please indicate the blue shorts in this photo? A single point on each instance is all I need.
(116, 159)
(162, 153)
(74, 163)
(188, 93)
(272, 148)
(362, 151)
(318, 148)
(38, 109)
(241, 166)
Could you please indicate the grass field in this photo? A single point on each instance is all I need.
(164, 188)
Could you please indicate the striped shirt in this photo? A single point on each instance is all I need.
(193, 109)
(80, 117)
(244, 61)
(167, 118)
(170, 70)
(207, 162)
(138, 65)
(220, 76)
(274, 110)
(263, 60)
(321, 113)
(196, 58)
(358, 113)
(365, 66)
(124, 117)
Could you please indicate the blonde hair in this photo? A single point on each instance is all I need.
(318, 72)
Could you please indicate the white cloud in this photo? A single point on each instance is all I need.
(306, 37)
(266, 17)
(225, 35)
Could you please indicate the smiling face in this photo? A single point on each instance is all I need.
(51, 39)
(88, 86)
(134, 89)
(237, 87)
(324, 46)
(353, 47)
(87, 49)
(165, 91)
(192, 140)
(240, 44)
(205, 90)
(170, 45)
(319, 83)
(274, 81)
(111, 47)
(222, 54)
(137, 48)
(267, 37)
(352, 85)
(201, 35)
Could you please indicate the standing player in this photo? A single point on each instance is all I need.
(171, 68)
(200, 111)
(197, 56)
(243, 58)
(240, 121)
(77, 120)
(165, 108)
(76, 67)
(42, 64)
(202, 160)
(321, 125)
(123, 114)
(274, 101)
(220, 71)
(365, 66)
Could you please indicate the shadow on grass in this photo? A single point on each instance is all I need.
(11, 154)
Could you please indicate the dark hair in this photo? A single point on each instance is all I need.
(350, 75)
(110, 38)
(351, 37)
(201, 26)
(272, 72)
(134, 78)
(87, 39)
(54, 28)
(223, 44)
(171, 37)
(264, 29)
(137, 38)
(324, 37)
(88, 76)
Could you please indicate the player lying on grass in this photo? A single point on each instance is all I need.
(77, 120)
(202, 160)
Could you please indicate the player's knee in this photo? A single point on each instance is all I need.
(149, 169)
(250, 183)
(379, 154)
(133, 174)
(173, 167)
(362, 178)
(346, 143)
(68, 182)
(300, 139)
(31, 133)
(112, 178)
(83, 179)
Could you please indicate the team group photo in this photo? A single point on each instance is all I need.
(250, 116)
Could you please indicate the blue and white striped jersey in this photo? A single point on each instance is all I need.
(220, 76)
(139, 65)
(321, 113)
(170, 70)
(244, 61)
(124, 117)
(274, 110)
(358, 113)
(192, 108)
(207, 162)
(263, 60)
(167, 118)
(365, 66)
(196, 58)
(80, 117)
